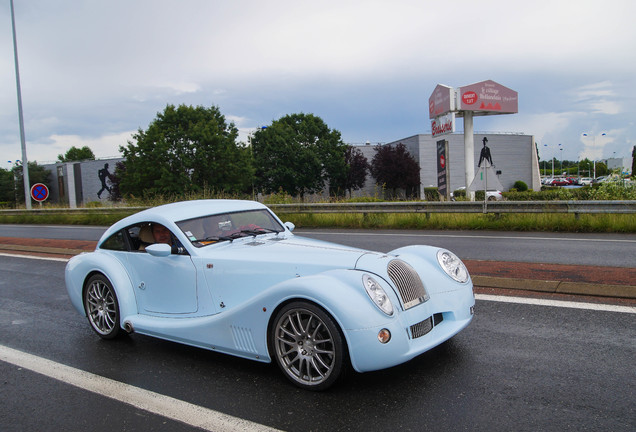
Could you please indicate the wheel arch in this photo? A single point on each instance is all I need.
(279, 307)
(112, 269)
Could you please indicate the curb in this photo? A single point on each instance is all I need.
(556, 287)
(41, 249)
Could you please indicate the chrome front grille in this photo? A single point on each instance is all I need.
(424, 327)
(421, 328)
(408, 283)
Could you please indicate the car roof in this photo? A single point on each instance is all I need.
(182, 210)
(169, 214)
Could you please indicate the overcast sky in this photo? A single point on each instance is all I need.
(93, 72)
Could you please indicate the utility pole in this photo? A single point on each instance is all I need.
(25, 163)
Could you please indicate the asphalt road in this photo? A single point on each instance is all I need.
(612, 250)
(522, 367)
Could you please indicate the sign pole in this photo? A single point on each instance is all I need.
(469, 153)
(486, 188)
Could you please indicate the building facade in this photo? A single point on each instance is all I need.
(78, 183)
(514, 157)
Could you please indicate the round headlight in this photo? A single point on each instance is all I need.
(377, 294)
(452, 266)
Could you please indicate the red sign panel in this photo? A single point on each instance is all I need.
(441, 101)
(489, 97)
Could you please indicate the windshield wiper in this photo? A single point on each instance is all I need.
(256, 231)
(213, 238)
(238, 234)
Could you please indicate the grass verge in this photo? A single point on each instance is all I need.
(605, 223)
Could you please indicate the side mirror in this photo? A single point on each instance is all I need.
(159, 249)
(290, 226)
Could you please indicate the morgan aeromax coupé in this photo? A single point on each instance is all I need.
(229, 276)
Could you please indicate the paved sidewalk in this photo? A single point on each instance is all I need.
(616, 282)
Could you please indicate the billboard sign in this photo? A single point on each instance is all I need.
(443, 125)
(488, 97)
(443, 172)
(442, 101)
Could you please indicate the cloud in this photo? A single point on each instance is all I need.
(597, 98)
(105, 146)
(366, 70)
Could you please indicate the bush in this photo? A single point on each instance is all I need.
(431, 194)
(604, 191)
(459, 194)
(520, 186)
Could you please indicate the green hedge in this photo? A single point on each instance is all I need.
(606, 191)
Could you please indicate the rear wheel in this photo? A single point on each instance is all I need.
(308, 346)
(102, 308)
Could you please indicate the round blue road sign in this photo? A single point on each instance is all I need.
(39, 192)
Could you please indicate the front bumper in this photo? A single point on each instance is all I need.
(411, 331)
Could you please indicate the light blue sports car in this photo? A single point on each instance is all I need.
(229, 276)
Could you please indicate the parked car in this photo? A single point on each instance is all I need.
(493, 195)
(585, 181)
(229, 276)
(559, 182)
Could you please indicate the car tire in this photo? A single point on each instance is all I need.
(308, 346)
(102, 307)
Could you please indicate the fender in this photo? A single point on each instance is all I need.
(109, 266)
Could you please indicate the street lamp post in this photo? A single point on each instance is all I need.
(25, 164)
(561, 156)
(545, 145)
(594, 145)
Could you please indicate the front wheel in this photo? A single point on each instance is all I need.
(102, 308)
(308, 346)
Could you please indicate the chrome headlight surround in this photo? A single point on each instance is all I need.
(452, 266)
(377, 294)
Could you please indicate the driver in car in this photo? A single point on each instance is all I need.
(161, 234)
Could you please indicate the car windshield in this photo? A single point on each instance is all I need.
(215, 228)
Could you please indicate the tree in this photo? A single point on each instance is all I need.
(633, 161)
(37, 174)
(186, 149)
(395, 168)
(7, 188)
(77, 154)
(115, 180)
(355, 174)
(298, 154)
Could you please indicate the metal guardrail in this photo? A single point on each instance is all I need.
(575, 207)
(426, 207)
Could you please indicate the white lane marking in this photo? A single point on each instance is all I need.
(34, 257)
(464, 236)
(146, 400)
(557, 303)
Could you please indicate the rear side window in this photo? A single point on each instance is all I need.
(115, 242)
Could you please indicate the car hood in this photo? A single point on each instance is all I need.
(300, 255)
(236, 272)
